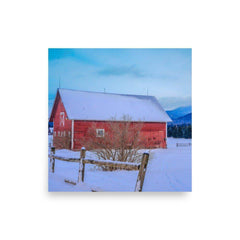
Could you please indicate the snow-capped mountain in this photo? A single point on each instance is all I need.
(187, 119)
(179, 112)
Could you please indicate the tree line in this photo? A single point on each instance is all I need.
(180, 131)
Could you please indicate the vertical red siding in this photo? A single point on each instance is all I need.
(153, 133)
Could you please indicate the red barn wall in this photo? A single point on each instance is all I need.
(153, 133)
(81, 128)
(61, 133)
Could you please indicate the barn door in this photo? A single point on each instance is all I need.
(157, 139)
(153, 139)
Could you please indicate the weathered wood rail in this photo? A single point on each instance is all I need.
(124, 165)
(142, 167)
(183, 144)
(116, 164)
(65, 159)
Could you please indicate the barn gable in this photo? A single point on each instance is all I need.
(57, 101)
(81, 105)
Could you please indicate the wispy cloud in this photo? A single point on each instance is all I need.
(68, 53)
(169, 103)
(120, 71)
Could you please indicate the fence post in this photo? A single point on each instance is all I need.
(52, 159)
(81, 165)
(142, 172)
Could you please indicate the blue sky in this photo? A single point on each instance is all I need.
(163, 73)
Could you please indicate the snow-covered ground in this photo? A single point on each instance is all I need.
(168, 170)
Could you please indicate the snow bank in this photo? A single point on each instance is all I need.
(168, 170)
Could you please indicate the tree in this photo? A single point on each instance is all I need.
(169, 131)
(189, 131)
(180, 131)
(175, 131)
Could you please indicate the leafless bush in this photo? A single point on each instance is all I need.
(121, 141)
(62, 142)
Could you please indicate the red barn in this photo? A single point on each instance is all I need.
(74, 112)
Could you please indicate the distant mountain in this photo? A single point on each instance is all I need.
(179, 112)
(187, 119)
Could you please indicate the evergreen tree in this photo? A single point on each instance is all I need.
(180, 131)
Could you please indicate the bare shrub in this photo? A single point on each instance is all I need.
(121, 141)
(62, 142)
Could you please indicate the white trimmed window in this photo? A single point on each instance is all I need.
(54, 133)
(62, 118)
(100, 132)
(59, 133)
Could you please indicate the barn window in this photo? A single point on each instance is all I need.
(59, 133)
(69, 133)
(62, 118)
(100, 132)
(54, 133)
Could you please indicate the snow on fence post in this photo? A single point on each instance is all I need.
(52, 159)
(142, 172)
(81, 165)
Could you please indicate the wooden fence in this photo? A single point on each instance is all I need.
(142, 167)
(183, 144)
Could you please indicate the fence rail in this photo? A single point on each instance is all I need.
(183, 144)
(142, 167)
(125, 165)
(116, 164)
(67, 159)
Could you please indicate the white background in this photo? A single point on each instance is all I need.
(28, 29)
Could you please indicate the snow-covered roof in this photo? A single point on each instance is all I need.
(82, 105)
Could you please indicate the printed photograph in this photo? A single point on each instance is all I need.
(120, 120)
